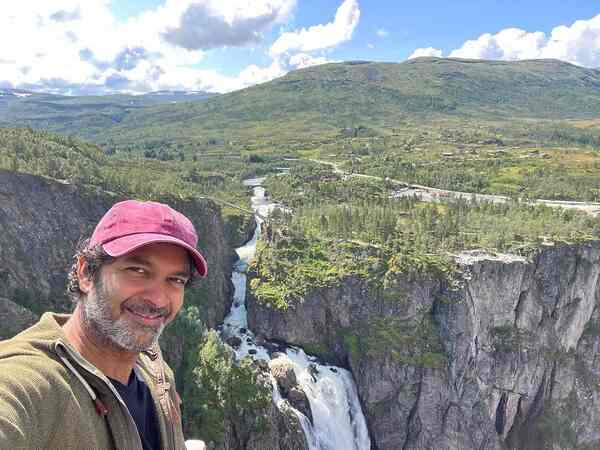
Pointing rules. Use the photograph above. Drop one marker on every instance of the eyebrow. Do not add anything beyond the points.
(144, 262)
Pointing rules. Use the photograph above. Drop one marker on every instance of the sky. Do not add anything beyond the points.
(79, 47)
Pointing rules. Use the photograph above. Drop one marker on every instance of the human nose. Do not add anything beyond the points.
(156, 293)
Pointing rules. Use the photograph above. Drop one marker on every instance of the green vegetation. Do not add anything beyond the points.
(223, 392)
(558, 425)
(187, 329)
(530, 159)
(412, 342)
(90, 114)
(509, 338)
(286, 270)
(77, 162)
(28, 299)
(237, 226)
(351, 227)
(319, 101)
(525, 129)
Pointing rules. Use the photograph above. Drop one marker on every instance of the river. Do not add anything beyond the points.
(338, 421)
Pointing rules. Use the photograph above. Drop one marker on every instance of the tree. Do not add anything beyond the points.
(224, 392)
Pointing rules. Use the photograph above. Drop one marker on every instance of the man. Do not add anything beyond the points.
(96, 379)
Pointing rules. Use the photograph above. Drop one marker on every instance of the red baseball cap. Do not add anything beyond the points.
(131, 224)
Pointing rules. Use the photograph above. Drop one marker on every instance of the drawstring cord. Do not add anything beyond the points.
(101, 408)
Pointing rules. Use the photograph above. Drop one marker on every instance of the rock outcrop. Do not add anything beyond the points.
(282, 431)
(505, 357)
(283, 371)
(14, 318)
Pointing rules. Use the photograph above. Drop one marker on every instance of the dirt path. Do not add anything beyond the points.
(430, 194)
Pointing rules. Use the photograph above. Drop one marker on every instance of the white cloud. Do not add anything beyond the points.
(210, 80)
(78, 46)
(382, 32)
(320, 37)
(206, 24)
(429, 51)
(509, 44)
(371, 46)
(303, 60)
(578, 44)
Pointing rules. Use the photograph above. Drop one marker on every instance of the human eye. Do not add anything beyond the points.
(136, 270)
(179, 281)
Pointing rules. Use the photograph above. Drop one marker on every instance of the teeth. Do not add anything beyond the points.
(154, 316)
(146, 316)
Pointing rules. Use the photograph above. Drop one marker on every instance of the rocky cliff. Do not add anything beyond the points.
(504, 356)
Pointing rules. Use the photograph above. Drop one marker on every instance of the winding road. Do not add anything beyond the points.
(431, 194)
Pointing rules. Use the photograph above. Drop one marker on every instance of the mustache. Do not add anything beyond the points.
(144, 307)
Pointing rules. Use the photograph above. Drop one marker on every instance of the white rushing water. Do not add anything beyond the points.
(338, 421)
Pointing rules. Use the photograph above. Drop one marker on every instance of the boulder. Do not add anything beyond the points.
(234, 342)
(283, 371)
(298, 399)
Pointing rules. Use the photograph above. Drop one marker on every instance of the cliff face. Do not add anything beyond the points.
(14, 318)
(505, 358)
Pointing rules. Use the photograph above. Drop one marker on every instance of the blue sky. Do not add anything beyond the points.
(98, 46)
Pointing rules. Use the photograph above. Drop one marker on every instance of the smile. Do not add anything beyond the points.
(146, 318)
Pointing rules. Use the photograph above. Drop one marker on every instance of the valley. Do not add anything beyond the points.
(436, 234)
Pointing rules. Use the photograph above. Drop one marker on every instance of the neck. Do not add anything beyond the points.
(112, 362)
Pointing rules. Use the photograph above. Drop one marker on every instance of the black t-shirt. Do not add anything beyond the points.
(138, 399)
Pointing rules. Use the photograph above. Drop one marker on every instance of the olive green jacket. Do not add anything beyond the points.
(51, 398)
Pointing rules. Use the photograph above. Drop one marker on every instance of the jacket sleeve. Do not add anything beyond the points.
(27, 404)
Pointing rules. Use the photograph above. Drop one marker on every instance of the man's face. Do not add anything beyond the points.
(136, 296)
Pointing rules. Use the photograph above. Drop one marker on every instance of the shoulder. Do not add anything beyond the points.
(33, 390)
(36, 376)
(30, 369)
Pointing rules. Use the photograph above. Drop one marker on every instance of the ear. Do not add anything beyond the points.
(85, 283)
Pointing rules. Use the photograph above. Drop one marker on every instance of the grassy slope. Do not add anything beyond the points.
(82, 115)
(318, 101)
(321, 100)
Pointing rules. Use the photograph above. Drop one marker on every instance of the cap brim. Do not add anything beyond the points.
(126, 244)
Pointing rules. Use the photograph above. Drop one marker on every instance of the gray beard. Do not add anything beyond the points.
(119, 334)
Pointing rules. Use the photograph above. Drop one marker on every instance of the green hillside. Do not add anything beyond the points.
(81, 115)
(322, 100)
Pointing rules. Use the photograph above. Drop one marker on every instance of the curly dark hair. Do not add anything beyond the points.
(96, 258)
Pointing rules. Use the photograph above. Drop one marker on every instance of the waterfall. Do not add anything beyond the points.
(338, 421)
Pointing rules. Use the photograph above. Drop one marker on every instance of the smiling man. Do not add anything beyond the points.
(96, 379)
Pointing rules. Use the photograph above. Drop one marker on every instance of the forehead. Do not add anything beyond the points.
(159, 255)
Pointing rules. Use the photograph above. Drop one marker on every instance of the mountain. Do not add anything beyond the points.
(323, 99)
(78, 114)
(159, 97)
